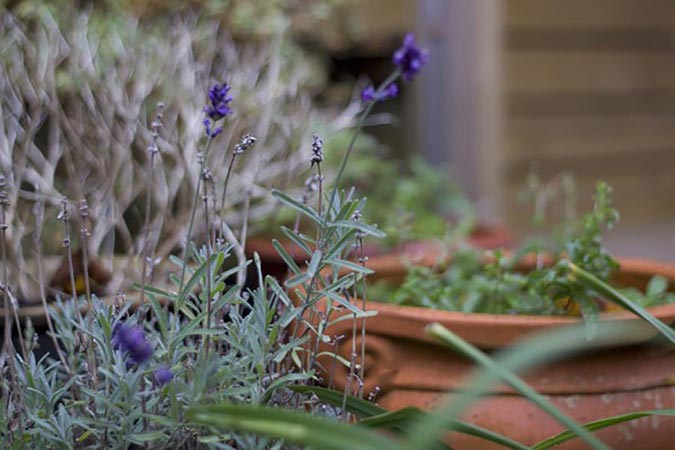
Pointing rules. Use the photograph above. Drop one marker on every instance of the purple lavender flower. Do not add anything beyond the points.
(391, 91)
(219, 98)
(368, 94)
(218, 108)
(163, 375)
(131, 340)
(211, 132)
(410, 58)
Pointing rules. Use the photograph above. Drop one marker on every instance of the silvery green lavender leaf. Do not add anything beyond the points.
(305, 210)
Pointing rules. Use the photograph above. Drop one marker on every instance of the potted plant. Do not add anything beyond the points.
(495, 301)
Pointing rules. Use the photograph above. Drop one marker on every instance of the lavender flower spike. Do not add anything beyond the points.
(218, 108)
(410, 58)
(317, 149)
(244, 144)
(163, 375)
(131, 340)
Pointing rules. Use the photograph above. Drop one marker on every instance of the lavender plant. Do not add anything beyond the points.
(127, 372)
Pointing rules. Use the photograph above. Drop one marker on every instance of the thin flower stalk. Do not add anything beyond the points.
(13, 306)
(311, 186)
(89, 343)
(246, 142)
(336, 343)
(64, 216)
(355, 135)
(206, 179)
(216, 110)
(153, 150)
(8, 347)
(221, 214)
(241, 274)
(362, 259)
(84, 233)
(348, 387)
(38, 212)
(188, 237)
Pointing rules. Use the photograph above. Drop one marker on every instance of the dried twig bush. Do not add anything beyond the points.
(76, 105)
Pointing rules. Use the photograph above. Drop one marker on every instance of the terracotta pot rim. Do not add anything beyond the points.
(486, 235)
(498, 330)
(660, 310)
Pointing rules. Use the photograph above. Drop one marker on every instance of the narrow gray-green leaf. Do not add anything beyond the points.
(290, 262)
(298, 206)
(296, 279)
(350, 265)
(296, 239)
(368, 229)
(314, 263)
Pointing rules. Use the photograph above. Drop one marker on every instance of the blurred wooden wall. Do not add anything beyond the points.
(590, 88)
(583, 86)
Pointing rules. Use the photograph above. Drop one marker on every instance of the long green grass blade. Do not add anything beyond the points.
(290, 426)
(617, 297)
(398, 421)
(600, 424)
(539, 349)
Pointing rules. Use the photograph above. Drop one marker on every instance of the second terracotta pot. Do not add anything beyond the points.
(485, 236)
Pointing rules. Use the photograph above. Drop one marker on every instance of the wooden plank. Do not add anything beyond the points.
(644, 163)
(614, 39)
(591, 103)
(540, 71)
(637, 13)
(637, 197)
(590, 137)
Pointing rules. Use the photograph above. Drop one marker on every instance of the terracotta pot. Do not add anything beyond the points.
(410, 369)
(486, 236)
(490, 236)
